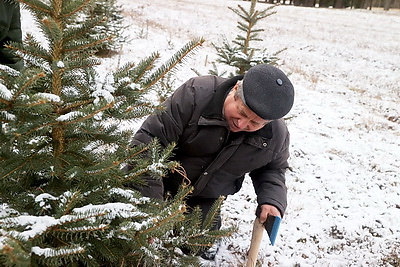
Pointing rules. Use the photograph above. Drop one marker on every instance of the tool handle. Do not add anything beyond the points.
(256, 237)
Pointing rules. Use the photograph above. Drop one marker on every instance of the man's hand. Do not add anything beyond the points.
(268, 210)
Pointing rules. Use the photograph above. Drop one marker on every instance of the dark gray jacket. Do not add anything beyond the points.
(216, 160)
(10, 30)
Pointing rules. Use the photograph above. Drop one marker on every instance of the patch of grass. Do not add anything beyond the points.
(392, 259)
(357, 90)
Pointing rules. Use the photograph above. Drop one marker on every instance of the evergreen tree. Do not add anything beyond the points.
(65, 199)
(112, 25)
(239, 53)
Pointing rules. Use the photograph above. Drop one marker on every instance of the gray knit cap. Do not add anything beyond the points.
(267, 91)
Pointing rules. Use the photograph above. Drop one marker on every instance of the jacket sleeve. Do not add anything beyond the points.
(167, 126)
(269, 180)
(10, 31)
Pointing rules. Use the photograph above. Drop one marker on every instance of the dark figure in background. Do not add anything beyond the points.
(10, 31)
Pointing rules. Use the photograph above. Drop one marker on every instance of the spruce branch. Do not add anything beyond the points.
(20, 166)
(28, 84)
(84, 46)
(37, 6)
(118, 163)
(69, 203)
(210, 219)
(176, 60)
(14, 252)
(52, 256)
(59, 125)
(77, 33)
(91, 115)
(74, 7)
(72, 106)
(63, 148)
(29, 51)
(171, 218)
(144, 66)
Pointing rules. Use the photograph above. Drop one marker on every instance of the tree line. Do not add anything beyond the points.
(364, 4)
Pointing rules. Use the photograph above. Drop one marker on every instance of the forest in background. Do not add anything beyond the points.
(365, 4)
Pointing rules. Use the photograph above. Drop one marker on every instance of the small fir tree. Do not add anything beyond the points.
(65, 199)
(112, 26)
(239, 53)
(165, 87)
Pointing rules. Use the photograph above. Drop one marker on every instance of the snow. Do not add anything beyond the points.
(343, 187)
(156, 167)
(50, 97)
(104, 94)
(105, 91)
(70, 116)
(128, 194)
(42, 198)
(8, 116)
(48, 252)
(34, 225)
(111, 210)
(5, 93)
(60, 64)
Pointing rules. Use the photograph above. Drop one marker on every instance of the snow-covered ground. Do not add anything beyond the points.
(344, 185)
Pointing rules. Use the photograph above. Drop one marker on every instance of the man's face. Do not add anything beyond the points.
(239, 117)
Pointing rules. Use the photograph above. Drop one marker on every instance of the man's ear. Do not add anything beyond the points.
(234, 91)
(234, 88)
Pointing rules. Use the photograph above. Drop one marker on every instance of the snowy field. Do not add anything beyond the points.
(344, 185)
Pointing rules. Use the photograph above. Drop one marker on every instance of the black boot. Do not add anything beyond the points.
(211, 252)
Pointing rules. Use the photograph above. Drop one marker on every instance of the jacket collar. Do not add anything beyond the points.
(213, 111)
(214, 108)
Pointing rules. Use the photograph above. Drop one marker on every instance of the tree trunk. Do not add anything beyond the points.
(297, 2)
(339, 4)
(386, 6)
(309, 3)
(368, 4)
(358, 3)
(324, 3)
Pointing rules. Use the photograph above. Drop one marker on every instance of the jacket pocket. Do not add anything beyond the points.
(221, 183)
